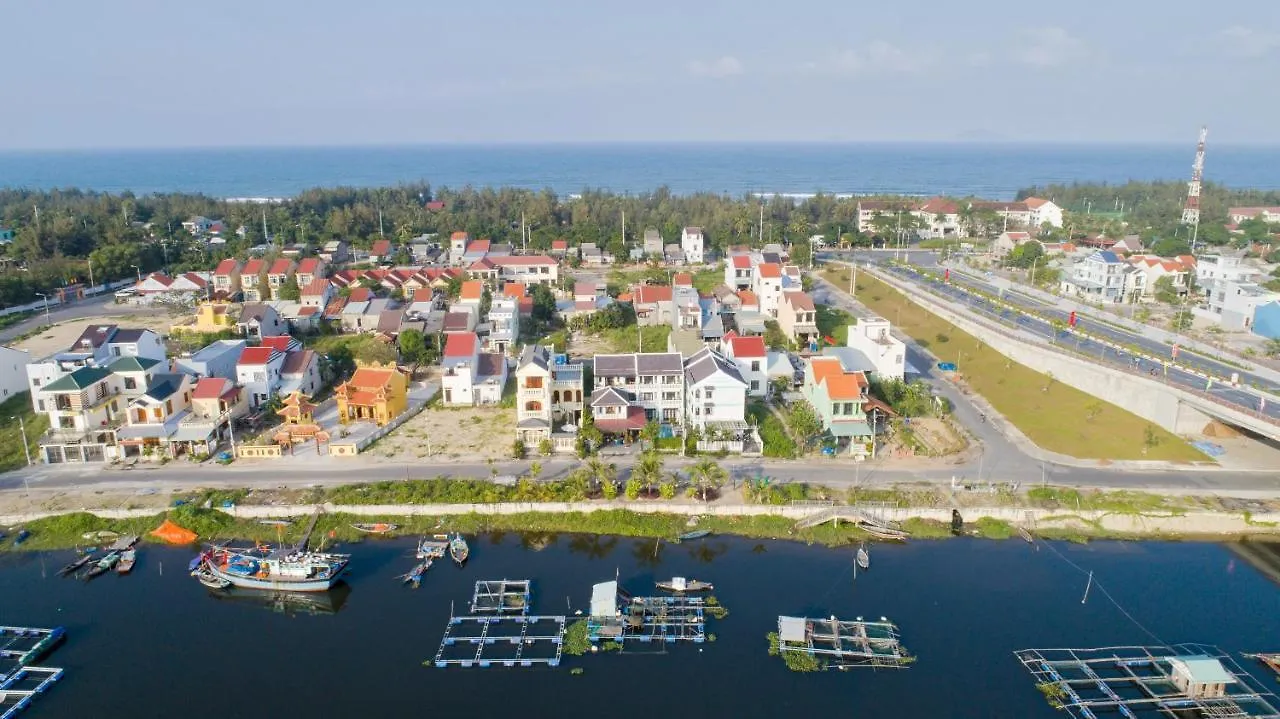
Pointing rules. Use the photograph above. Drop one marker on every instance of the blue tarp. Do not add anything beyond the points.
(1266, 320)
(947, 366)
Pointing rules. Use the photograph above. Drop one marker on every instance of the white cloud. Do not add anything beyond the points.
(1049, 47)
(877, 57)
(726, 66)
(1240, 41)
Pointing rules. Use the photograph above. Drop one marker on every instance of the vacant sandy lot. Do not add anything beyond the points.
(60, 336)
(464, 434)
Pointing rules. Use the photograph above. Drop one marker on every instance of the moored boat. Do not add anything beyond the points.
(103, 565)
(283, 569)
(78, 563)
(414, 577)
(458, 549)
(864, 559)
(276, 522)
(432, 547)
(20, 537)
(102, 535)
(376, 528)
(127, 559)
(695, 534)
(207, 578)
(681, 584)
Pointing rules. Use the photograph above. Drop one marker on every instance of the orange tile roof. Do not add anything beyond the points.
(741, 262)
(799, 300)
(841, 385)
(769, 270)
(744, 347)
(370, 378)
(472, 290)
(682, 278)
(461, 344)
(747, 297)
(513, 289)
(647, 294)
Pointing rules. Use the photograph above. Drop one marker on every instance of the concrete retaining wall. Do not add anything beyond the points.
(1190, 523)
(1151, 400)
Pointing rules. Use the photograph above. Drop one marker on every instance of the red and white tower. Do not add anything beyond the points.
(1191, 212)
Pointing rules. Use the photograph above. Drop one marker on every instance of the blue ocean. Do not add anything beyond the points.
(989, 170)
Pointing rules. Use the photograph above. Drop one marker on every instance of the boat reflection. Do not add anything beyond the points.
(288, 603)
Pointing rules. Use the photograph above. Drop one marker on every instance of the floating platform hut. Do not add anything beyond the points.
(616, 616)
(501, 596)
(21, 683)
(843, 643)
(1187, 680)
(499, 632)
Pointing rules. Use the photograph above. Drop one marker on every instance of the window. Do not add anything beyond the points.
(709, 391)
(533, 406)
(848, 408)
(130, 383)
(36, 381)
(673, 396)
(40, 404)
(259, 377)
(533, 383)
(755, 385)
(67, 422)
(755, 366)
(62, 401)
(647, 397)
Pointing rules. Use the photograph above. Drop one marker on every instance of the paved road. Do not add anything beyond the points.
(1240, 398)
(92, 307)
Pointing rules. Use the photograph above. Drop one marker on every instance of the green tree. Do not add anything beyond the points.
(1272, 348)
(648, 470)
(649, 434)
(1166, 292)
(1171, 247)
(774, 337)
(518, 450)
(600, 473)
(804, 424)
(264, 288)
(544, 303)
(1025, 255)
(486, 301)
(1181, 320)
(415, 351)
(341, 362)
(588, 433)
(545, 448)
(707, 475)
(290, 290)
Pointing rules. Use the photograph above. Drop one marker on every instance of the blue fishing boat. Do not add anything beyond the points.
(282, 569)
(696, 534)
(21, 537)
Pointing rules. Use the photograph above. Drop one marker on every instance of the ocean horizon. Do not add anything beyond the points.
(990, 169)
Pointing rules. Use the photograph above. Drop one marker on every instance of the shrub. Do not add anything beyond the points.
(633, 488)
(545, 448)
(518, 450)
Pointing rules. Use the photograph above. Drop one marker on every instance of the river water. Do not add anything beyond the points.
(157, 644)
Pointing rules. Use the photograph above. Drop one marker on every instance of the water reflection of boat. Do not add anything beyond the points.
(289, 603)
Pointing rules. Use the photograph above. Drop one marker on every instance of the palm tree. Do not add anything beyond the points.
(707, 475)
(648, 471)
(600, 472)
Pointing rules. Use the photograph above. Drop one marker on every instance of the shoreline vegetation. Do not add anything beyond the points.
(475, 506)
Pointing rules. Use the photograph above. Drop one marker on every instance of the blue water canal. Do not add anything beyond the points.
(157, 644)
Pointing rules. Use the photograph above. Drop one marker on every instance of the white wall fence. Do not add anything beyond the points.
(39, 305)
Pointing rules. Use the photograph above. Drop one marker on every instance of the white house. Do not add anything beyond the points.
(258, 371)
(13, 373)
(715, 393)
(1008, 241)
(217, 359)
(940, 217)
(752, 358)
(767, 285)
(1234, 303)
(300, 372)
(471, 377)
(693, 242)
(737, 272)
(1155, 268)
(885, 353)
(1100, 277)
(1043, 212)
(1266, 214)
(97, 346)
(198, 225)
(654, 381)
(504, 324)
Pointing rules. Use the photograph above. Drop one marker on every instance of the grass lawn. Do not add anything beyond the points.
(1055, 416)
(625, 339)
(364, 347)
(833, 322)
(19, 405)
(703, 280)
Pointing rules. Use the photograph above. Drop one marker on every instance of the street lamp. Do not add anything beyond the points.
(26, 449)
(46, 305)
(139, 271)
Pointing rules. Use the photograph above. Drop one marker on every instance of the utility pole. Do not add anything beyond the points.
(380, 223)
(760, 227)
(91, 285)
(265, 236)
(26, 449)
(624, 228)
(524, 234)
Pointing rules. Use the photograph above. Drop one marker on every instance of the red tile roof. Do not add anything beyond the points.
(635, 419)
(940, 206)
(650, 294)
(381, 248)
(211, 387)
(472, 290)
(682, 279)
(459, 235)
(769, 270)
(741, 262)
(461, 344)
(519, 260)
(253, 267)
(316, 287)
(484, 263)
(309, 265)
(282, 266)
(559, 244)
(744, 347)
(435, 205)
(258, 355)
(582, 289)
(360, 294)
(513, 289)
(799, 300)
(226, 267)
(478, 246)
(747, 297)
(308, 311)
(279, 343)
(526, 305)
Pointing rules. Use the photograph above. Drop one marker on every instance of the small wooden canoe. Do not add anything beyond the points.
(695, 534)
(864, 559)
(128, 558)
(376, 528)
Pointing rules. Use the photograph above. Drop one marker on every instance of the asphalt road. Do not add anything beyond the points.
(1015, 318)
(91, 307)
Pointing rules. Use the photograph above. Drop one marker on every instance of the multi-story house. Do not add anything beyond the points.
(216, 359)
(693, 242)
(334, 252)
(458, 247)
(838, 397)
(654, 379)
(652, 243)
(715, 395)
(885, 354)
(154, 416)
(767, 285)
(798, 317)
(1016, 214)
(472, 292)
(258, 371)
(380, 252)
(1100, 277)
(1269, 215)
(84, 408)
(1234, 304)
(529, 269)
(258, 320)
(869, 210)
(653, 304)
(216, 402)
(1006, 242)
(309, 269)
(504, 324)
(939, 217)
(318, 292)
(226, 279)
(1154, 269)
(471, 377)
(300, 372)
(548, 394)
(279, 274)
(1212, 269)
(13, 381)
(737, 272)
(251, 280)
(97, 346)
(686, 308)
(752, 358)
(1044, 212)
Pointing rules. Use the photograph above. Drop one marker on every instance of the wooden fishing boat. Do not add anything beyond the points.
(1026, 535)
(283, 570)
(210, 580)
(864, 559)
(695, 534)
(414, 577)
(103, 566)
(128, 558)
(72, 567)
(20, 537)
(681, 585)
(102, 535)
(459, 550)
(378, 528)
(1271, 660)
(276, 522)
(432, 547)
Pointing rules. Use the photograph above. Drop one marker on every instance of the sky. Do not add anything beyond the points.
(159, 73)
